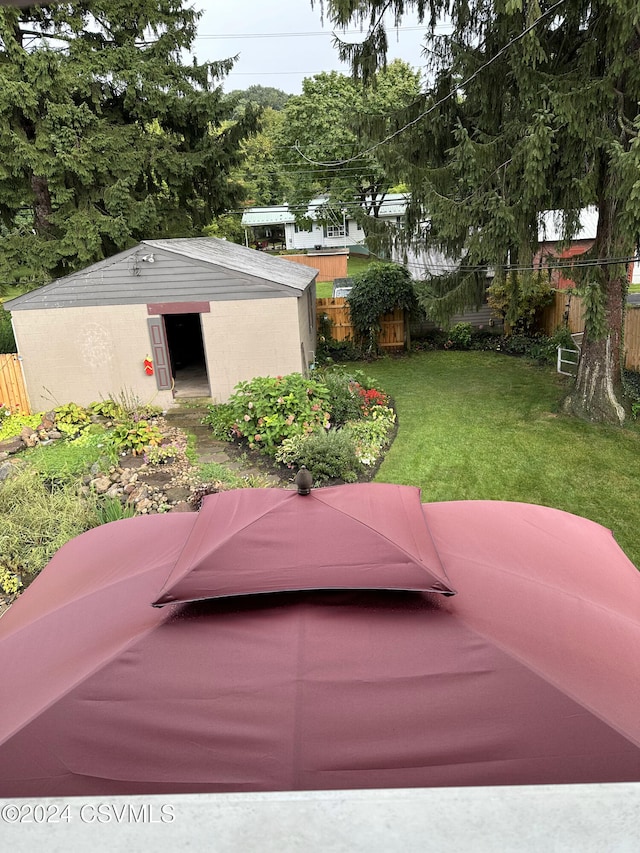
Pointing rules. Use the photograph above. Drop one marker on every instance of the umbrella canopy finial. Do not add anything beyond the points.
(304, 481)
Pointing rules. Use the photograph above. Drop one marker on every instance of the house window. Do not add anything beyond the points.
(335, 231)
(299, 229)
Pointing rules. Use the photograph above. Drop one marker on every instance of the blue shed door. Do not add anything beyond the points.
(160, 351)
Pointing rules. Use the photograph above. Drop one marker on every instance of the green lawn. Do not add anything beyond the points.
(485, 426)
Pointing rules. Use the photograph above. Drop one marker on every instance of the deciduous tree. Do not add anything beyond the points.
(329, 122)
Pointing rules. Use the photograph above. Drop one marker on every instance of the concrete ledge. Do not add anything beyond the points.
(554, 818)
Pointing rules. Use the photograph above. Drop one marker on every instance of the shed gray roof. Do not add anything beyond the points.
(181, 270)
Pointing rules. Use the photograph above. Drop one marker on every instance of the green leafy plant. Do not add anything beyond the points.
(221, 418)
(13, 424)
(518, 299)
(108, 409)
(327, 455)
(381, 288)
(269, 409)
(134, 437)
(68, 460)
(71, 419)
(371, 434)
(345, 401)
(7, 340)
(160, 455)
(111, 509)
(10, 583)
(459, 336)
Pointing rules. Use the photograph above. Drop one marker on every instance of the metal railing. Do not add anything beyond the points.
(569, 357)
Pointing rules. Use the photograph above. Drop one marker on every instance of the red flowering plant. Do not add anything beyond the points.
(370, 397)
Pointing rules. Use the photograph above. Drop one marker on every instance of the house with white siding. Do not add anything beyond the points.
(276, 227)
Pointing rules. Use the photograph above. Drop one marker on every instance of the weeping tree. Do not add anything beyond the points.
(106, 137)
(532, 106)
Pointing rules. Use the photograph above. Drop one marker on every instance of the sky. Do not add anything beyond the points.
(281, 42)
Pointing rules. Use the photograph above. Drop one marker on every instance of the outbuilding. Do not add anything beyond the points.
(164, 319)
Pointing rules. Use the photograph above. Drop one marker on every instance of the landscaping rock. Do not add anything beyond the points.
(138, 494)
(6, 470)
(177, 494)
(12, 445)
(101, 485)
(29, 437)
(183, 506)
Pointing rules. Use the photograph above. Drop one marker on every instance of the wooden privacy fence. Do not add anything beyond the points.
(393, 334)
(569, 306)
(329, 267)
(13, 394)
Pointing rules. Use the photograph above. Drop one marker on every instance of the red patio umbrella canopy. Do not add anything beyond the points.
(314, 643)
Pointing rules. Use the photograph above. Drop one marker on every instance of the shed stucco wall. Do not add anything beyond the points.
(84, 354)
(244, 339)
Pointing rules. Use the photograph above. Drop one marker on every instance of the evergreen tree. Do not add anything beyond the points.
(533, 106)
(106, 137)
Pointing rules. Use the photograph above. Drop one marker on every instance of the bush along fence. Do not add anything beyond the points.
(567, 310)
(393, 337)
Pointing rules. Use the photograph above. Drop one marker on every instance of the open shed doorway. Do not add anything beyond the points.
(186, 351)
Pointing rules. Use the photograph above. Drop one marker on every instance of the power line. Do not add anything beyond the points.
(442, 100)
(221, 37)
(427, 266)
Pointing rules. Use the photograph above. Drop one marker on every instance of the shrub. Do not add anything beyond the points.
(7, 340)
(519, 299)
(344, 400)
(269, 409)
(328, 350)
(327, 454)
(459, 336)
(221, 418)
(381, 288)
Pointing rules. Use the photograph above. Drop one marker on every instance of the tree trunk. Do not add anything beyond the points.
(42, 209)
(598, 393)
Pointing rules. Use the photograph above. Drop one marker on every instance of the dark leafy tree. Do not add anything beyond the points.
(330, 121)
(381, 288)
(264, 180)
(533, 106)
(267, 97)
(106, 137)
